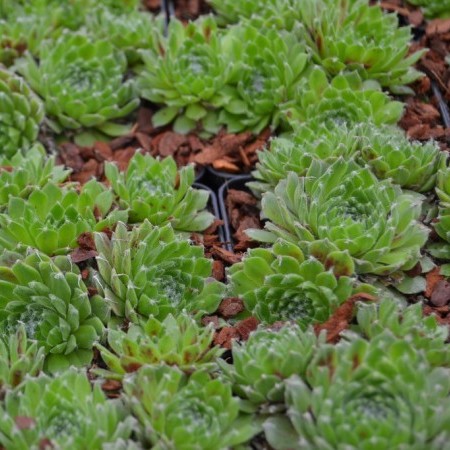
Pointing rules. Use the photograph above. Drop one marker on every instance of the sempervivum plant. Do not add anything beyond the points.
(21, 175)
(442, 225)
(128, 32)
(271, 64)
(156, 190)
(385, 149)
(353, 35)
(19, 358)
(280, 284)
(433, 8)
(344, 207)
(81, 83)
(62, 412)
(177, 412)
(51, 300)
(263, 363)
(346, 98)
(370, 395)
(150, 271)
(177, 341)
(408, 324)
(21, 113)
(52, 218)
(186, 73)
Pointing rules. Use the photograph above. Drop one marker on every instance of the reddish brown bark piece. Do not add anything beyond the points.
(24, 422)
(218, 270)
(170, 142)
(225, 337)
(432, 277)
(230, 307)
(45, 444)
(211, 319)
(111, 385)
(247, 326)
(79, 255)
(341, 318)
(441, 293)
(226, 255)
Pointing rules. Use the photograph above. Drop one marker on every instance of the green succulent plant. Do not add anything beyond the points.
(343, 207)
(279, 283)
(353, 35)
(130, 32)
(156, 190)
(81, 83)
(19, 358)
(186, 73)
(365, 395)
(177, 412)
(50, 299)
(263, 363)
(51, 218)
(21, 175)
(433, 8)
(409, 324)
(62, 412)
(344, 99)
(21, 113)
(152, 272)
(384, 149)
(176, 341)
(271, 64)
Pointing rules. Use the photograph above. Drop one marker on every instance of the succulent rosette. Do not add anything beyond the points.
(150, 271)
(82, 84)
(62, 412)
(370, 395)
(20, 358)
(354, 35)
(405, 323)
(176, 341)
(343, 207)
(384, 149)
(156, 190)
(433, 8)
(21, 113)
(177, 412)
(129, 32)
(263, 363)
(52, 218)
(21, 175)
(186, 73)
(50, 299)
(344, 99)
(271, 64)
(280, 284)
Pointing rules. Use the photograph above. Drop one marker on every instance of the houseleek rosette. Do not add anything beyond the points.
(368, 395)
(51, 219)
(433, 8)
(20, 358)
(21, 175)
(344, 99)
(81, 83)
(62, 412)
(263, 363)
(177, 412)
(156, 190)
(271, 63)
(186, 74)
(150, 271)
(50, 299)
(353, 35)
(21, 113)
(409, 324)
(279, 283)
(343, 207)
(130, 32)
(176, 341)
(384, 149)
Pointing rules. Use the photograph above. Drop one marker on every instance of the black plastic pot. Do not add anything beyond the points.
(216, 178)
(200, 172)
(443, 107)
(237, 182)
(213, 207)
